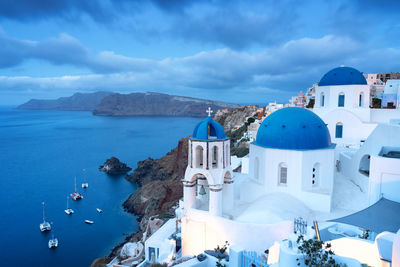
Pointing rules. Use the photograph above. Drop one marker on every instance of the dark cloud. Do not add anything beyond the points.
(293, 66)
(234, 28)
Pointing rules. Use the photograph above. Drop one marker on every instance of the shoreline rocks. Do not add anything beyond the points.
(114, 167)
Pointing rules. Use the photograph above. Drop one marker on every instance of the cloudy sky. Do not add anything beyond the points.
(237, 51)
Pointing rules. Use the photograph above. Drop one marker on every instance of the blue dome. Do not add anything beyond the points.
(208, 129)
(293, 128)
(342, 76)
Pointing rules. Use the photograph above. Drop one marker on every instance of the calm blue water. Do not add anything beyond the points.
(42, 151)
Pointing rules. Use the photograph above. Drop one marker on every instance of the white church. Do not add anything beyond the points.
(329, 165)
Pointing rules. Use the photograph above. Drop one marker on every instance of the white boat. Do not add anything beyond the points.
(76, 195)
(53, 242)
(85, 184)
(89, 222)
(99, 210)
(68, 210)
(44, 226)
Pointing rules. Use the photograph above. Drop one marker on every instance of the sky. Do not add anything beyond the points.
(230, 50)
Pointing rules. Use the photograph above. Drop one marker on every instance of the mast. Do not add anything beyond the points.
(67, 202)
(75, 183)
(84, 175)
(43, 212)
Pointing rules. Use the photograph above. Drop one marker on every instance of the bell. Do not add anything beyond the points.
(202, 191)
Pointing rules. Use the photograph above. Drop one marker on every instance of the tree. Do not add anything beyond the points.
(311, 103)
(376, 102)
(316, 253)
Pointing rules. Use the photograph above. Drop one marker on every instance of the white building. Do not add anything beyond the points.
(293, 154)
(342, 101)
(294, 170)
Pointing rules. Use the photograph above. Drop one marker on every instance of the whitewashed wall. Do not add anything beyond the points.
(201, 231)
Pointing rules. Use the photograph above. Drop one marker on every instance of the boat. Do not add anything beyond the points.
(99, 210)
(44, 226)
(76, 195)
(53, 242)
(85, 184)
(68, 210)
(89, 222)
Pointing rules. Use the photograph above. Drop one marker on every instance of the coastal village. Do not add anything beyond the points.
(321, 172)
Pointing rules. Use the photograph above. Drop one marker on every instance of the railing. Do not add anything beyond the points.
(252, 259)
(300, 226)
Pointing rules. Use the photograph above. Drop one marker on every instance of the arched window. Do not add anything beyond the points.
(341, 100)
(322, 99)
(214, 156)
(282, 176)
(315, 175)
(256, 169)
(361, 99)
(339, 130)
(199, 157)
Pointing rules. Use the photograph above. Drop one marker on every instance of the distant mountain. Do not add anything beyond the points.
(78, 101)
(156, 104)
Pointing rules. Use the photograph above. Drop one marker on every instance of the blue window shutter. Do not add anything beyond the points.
(341, 101)
(339, 131)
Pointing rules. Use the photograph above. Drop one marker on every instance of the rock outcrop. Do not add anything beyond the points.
(156, 104)
(113, 166)
(78, 101)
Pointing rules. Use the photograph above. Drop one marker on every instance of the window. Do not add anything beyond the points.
(214, 156)
(360, 100)
(339, 130)
(282, 174)
(341, 100)
(256, 168)
(199, 157)
(322, 99)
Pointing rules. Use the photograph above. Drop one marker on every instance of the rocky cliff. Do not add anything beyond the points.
(232, 119)
(159, 182)
(156, 104)
(78, 101)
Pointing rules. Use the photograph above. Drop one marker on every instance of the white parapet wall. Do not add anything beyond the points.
(201, 231)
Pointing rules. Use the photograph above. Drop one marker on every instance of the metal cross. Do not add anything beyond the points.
(209, 111)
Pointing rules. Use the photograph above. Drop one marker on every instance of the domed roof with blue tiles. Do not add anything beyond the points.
(293, 129)
(209, 129)
(342, 76)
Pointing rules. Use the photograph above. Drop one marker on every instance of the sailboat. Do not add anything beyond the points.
(68, 210)
(85, 184)
(44, 226)
(53, 242)
(76, 195)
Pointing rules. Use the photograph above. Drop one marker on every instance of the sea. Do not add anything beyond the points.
(40, 154)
